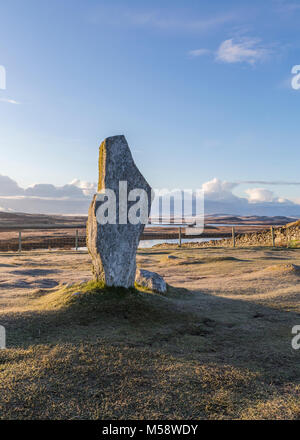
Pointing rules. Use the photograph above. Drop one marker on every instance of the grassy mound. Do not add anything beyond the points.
(95, 299)
(69, 313)
(282, 269)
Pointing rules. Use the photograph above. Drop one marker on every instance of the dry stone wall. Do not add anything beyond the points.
(284, 236)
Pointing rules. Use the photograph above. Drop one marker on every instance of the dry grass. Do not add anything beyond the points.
(217, 346)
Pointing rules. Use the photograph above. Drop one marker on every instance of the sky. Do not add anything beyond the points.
(201, 90)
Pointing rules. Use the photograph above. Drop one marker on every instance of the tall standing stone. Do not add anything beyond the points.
(113, 246)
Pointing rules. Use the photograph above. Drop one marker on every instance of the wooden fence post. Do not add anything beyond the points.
(76, 240)
(233, 237)
(179, 236)
(273, 236)
(20, 241)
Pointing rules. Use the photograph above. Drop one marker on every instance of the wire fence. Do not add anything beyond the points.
(52, 242)
(16, 238)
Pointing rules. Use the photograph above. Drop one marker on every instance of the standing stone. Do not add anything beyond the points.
(113, 246)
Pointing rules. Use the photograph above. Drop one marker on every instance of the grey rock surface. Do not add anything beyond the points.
(151, 280)
(113, 246)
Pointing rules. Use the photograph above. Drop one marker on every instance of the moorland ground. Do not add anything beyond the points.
(35, 238)
(216, 346)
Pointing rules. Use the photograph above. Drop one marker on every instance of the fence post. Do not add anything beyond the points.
(179, 236)
(76, 240)
(273, 236)
(233, 237)
(20, 241)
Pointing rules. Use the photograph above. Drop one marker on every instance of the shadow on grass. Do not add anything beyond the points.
(88, 351)
(70, 314)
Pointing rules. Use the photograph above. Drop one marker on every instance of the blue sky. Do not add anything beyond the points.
(201, 90)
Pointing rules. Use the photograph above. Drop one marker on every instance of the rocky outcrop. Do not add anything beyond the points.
(113, 245)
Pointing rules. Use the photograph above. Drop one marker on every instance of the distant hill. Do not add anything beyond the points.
(248, 220)
(23, 219)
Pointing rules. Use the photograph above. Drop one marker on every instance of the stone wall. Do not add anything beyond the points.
(284, 236)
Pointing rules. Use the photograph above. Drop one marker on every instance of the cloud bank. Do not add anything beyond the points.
(75, 198)
(72, 198)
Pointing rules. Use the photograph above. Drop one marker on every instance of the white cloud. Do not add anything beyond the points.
(48, 190)
(8, 187)
(9, 101)
(217, 189)
(43, 198)
(198, 52)
(257, 195)
(283, 200)
(244, 50)
(88, 188)
(220, 199)
(77, 189)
